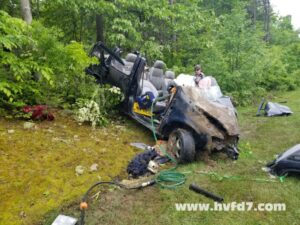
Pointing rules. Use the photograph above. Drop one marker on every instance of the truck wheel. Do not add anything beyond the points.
(182, 144)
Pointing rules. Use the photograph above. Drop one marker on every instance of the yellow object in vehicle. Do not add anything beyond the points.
(137, 110)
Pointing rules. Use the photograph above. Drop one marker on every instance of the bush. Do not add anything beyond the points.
(97, 109)
(36, 68)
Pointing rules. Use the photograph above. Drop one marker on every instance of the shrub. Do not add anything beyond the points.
(36, 68)
(97, 109)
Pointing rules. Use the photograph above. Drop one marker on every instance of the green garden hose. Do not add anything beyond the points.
(167, 178)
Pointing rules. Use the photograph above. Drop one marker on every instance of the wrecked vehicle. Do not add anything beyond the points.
(287, 162)
(192, 123)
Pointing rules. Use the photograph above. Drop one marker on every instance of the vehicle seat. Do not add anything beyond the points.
(129, 61)
(147, 86)
(157, 75)
(169, 76)
(131, 57)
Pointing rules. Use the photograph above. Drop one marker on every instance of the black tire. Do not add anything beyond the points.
(182, 144)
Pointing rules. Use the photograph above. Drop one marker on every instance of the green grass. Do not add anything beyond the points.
(37, 169)
(37, 173)
(261, 139)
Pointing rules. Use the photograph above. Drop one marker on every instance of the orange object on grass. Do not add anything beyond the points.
(83, 205)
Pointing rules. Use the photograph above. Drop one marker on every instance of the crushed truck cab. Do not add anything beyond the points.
(192, 119)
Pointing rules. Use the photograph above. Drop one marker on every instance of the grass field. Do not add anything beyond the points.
(38, 181)
(37, 169)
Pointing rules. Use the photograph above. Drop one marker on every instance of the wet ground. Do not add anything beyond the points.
(37, 170)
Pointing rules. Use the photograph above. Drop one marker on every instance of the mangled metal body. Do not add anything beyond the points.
(214, 124)
(188, 119)
(287, 162)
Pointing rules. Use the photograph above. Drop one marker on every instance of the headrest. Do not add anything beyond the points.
(157, 73)
(170, 74)
(131, 57)
(159, 64)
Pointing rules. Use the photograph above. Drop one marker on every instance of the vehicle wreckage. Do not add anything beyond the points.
(191, 120)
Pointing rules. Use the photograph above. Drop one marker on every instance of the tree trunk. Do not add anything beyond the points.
(38, 8)
(100, 27)
(267, 19)
(174, 36)
(254, 12)
(171, 2)
(26, 11)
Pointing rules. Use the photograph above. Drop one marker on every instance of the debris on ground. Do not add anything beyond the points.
(287, 162)
(79, 170)
(135, 183)
(94, 167)
(273, 109)
(199, 190)
(10, 131)
(139, 145)
(28, 125)
(64, 220)
(147, 161)
(139, 164)
(153, 166)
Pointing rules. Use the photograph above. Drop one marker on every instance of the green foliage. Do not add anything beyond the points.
(226, 37)
(17, 64)
(75, 18)
(89, 111)
(36, 67)
(97, 109)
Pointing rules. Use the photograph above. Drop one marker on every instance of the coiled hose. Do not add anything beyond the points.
(166, 179)
(169, 178)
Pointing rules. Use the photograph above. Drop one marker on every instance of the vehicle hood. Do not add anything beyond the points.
(216, 112)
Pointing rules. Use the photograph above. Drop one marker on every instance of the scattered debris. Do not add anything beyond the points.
(289, 161)
(153, 166)
(28, 125)
(208, 194)
(139, 145)
(79, 170)
(64, 220)
(94, 167)
(139, 165)
(11, 131)
(136, 183)
(273, 109)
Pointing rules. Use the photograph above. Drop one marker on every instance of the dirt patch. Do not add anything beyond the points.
(120, 206)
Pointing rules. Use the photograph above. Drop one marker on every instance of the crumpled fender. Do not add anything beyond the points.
(215, 111)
